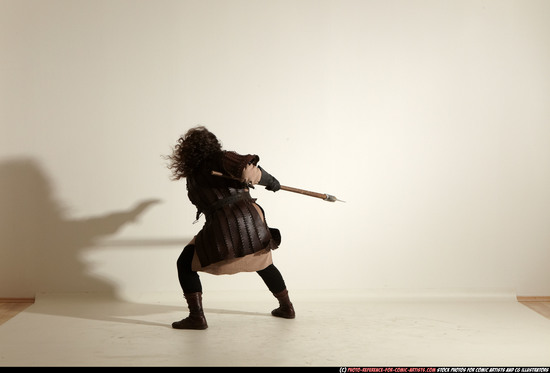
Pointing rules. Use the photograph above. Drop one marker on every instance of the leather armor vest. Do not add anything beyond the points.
(233, 227)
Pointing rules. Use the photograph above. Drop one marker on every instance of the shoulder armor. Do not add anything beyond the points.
(234, 163)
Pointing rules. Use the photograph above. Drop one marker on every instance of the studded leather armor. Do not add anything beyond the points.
(234, 227)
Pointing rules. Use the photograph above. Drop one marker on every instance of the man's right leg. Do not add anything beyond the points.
(276, 284)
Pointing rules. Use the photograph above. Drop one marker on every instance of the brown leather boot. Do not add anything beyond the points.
(196, 319)
(285, 310)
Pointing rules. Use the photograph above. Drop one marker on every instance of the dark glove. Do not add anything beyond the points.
(269, 181)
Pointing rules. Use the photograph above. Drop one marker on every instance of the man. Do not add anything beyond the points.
(235, 237)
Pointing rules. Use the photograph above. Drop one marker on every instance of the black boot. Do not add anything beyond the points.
(285, 310)
(196, 319)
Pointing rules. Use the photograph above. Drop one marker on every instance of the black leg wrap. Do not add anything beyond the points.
(189, 279)
(272, 278)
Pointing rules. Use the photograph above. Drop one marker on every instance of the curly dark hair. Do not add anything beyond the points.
(196, 146)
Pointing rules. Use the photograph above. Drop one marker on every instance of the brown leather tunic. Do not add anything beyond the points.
(234, 228)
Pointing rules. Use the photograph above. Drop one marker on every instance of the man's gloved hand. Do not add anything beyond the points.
(269, 181)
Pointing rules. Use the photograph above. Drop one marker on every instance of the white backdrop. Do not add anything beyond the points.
(429, 118)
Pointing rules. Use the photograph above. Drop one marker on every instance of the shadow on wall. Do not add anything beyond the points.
(40, 249)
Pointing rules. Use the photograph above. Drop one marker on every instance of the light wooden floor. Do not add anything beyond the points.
(11, 307)
(538, 304)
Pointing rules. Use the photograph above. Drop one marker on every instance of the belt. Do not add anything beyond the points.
(226, 201)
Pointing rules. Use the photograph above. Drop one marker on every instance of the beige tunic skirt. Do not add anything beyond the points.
(249, 263)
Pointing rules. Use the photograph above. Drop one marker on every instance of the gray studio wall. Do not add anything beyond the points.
(429, 118)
